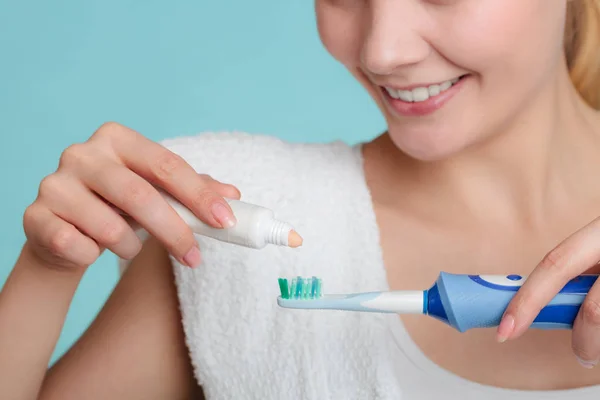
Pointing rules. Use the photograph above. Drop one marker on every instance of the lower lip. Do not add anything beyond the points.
(422, 108)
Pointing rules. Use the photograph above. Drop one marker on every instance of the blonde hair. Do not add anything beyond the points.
(582, 46)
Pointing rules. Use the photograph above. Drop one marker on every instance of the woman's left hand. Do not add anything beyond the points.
(572, 257)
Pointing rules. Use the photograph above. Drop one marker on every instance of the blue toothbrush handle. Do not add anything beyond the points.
(479, 301)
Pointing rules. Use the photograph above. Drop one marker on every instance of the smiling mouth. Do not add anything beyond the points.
(423, 93)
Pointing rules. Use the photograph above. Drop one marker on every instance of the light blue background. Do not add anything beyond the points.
(164, 68)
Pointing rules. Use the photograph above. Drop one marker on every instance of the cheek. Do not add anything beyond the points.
(340, 32)
(508, 36)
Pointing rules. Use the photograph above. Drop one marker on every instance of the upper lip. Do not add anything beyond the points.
(413, 86)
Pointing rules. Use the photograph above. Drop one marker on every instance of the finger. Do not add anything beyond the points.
(140, 200)
(571, 257)
(224, 189)
(586, 329)
(69, 199)
(61, 244)
(172, 173)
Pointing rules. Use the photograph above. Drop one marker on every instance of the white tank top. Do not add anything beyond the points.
(243, 346)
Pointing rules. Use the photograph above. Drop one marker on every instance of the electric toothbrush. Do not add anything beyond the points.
(462, 301)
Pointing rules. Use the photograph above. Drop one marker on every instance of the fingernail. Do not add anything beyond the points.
(507, 325)
(587, 364)
(223, 215)
(192, 257)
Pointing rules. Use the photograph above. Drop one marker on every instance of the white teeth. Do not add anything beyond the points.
(445, 86)
(405, 95)
(392, 92)
(421, 93)
(434, 90)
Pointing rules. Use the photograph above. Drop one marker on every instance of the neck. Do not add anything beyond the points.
(537, 164)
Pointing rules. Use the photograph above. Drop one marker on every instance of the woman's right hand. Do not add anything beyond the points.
(73, 219)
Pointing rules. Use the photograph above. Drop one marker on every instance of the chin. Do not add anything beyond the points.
(429, 145)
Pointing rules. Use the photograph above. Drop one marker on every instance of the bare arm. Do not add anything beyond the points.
(33, 306)
(135, 348)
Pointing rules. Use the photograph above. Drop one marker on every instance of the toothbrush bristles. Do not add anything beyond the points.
(300, 288)
(283, 287)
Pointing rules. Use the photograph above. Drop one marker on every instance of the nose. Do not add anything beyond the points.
(394, 37)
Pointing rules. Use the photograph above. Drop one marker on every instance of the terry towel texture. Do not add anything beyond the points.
(242, 345)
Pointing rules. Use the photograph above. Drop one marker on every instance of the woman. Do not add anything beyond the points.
(488, 164)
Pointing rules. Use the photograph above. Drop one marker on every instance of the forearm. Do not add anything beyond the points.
(33, 306)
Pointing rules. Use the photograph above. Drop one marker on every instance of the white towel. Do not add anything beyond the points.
(242, 345)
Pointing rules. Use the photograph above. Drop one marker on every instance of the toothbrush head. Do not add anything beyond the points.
(301, 288)
(307, 294)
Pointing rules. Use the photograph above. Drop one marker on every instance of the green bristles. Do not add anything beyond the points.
(283, 287)
(300, 288)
